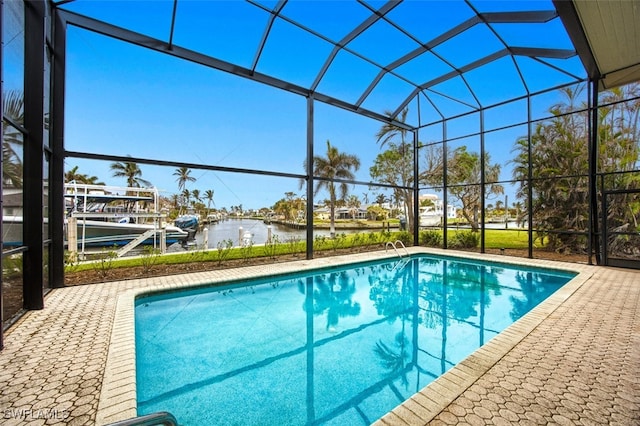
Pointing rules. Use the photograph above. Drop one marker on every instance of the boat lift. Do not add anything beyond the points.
(83, 194)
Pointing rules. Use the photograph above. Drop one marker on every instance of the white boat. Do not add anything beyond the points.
(213, 218)
(430, 218)
(187, 221)
(113, 216)
(108, 234)
(434, 214)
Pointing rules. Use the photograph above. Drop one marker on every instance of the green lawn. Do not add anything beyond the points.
(497, 238)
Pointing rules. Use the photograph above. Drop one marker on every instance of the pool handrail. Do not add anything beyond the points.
(163, 418)
(394, 245)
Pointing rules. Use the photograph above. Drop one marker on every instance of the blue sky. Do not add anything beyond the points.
(125, 100)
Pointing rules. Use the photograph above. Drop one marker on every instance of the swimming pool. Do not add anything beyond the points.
(335, 346)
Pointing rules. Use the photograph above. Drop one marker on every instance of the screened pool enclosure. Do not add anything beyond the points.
(515, 124)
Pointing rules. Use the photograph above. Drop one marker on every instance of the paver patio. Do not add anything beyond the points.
(575, 359)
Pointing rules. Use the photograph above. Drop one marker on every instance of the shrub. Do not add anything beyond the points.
(430, 238)
(373, 237)
(246, 251)
(224, 248)
(337, 241)
(405, 237)
(319, 242)
(12, 267)
(271, 248)
(103, 263)
(464, 239)
(294, 244)
(71, 261)
(150, 256)
(357, 239)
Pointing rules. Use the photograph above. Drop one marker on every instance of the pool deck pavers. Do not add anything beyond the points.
(573, 360)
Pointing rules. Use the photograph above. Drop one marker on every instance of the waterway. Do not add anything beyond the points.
(234, 229)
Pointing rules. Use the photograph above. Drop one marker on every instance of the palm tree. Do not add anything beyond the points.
(387, 135)
(390, 131)
(184, 176)
(175, 201)
(336, 165)
(13, 109)
(73, 175)
(130, 171)
(353, 202)
(196, 196)
(208, 195)
(186, 197)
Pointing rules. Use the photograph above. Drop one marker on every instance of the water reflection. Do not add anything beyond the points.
(332, 294)
(394, 358)
(355, 342)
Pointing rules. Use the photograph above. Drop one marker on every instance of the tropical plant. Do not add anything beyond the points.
(430, 238)
(223, 250)
(390, 131)
(335, 165)
(464, 171)
(186, 197)
(196, 196)
(150, 256)
(463, 174)
(295, 245)
(381, 199)
(183, 176)
(290, 206)
(406, 237)
(12, 140)
(246, 250)
(208, 195)
(131, 172)
(175, 201)
(559, 162)
(463, 239)
(353, 203)
(103, 264)
(72, 175)
(270, 248)
(395, 166)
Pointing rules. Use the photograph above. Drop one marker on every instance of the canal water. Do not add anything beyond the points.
(230, 229)
(233, 229)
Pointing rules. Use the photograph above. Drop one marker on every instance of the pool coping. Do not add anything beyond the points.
(118, 394)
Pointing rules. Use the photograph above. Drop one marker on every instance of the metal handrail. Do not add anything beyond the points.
(394, 246)
(401, 245)
(163, 418)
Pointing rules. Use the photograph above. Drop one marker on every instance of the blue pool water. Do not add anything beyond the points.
(340, 346)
